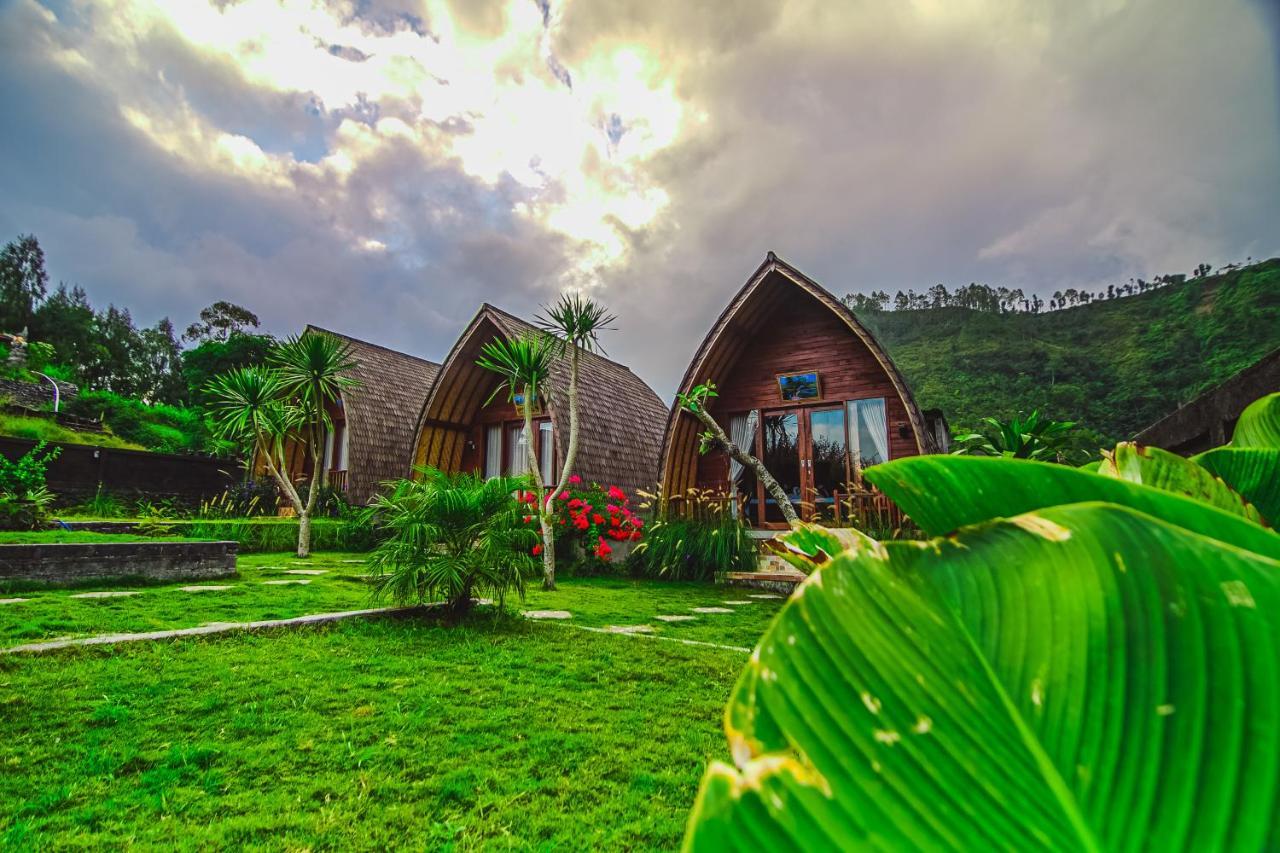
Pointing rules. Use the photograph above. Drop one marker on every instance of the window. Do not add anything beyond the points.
(516, 455)
(546, 452)
(504, 449)
(493, 450)
(868, 432)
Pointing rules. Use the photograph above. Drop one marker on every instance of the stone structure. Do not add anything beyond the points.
(74, 563)
(35, 395)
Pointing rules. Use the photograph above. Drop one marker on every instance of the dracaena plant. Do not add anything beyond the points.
(1080, 660)
(1032, 437)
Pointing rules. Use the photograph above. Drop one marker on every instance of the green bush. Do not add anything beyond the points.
(46, 429)
(260, 536)
(694, 549)
(24, 496)
(162, 428)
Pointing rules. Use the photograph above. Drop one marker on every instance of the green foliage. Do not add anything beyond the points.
(1050, 673)
(103, 504)
(449, 537)
(159, 427)
(313, 371)
(1034, 437)
(1259, 424)
(202, 363)
(22, 282)
(522, 363)
(24, 496)
(1114, 367)
(276, 535)
(46, 429)
(577, 321)
(695, 549)
(587, 518)
(221, 321)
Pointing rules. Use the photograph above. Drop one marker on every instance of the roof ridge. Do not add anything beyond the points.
(494, 308)
(314, 327)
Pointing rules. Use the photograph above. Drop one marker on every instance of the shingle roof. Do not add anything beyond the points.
(381, 410)
(620, 433)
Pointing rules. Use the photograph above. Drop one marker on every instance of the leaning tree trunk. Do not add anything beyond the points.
(762, 473)
(277, 472)
(571, 453)
(315, 450)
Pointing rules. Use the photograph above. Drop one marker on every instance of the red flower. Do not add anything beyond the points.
(575, 503)
(528, 518)
(597, 518)
(617, 494)
(537, 549)
(581, 522)
(614, 522)
(563, 496)
(575, 480)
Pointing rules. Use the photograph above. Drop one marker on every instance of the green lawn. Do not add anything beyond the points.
(502, 732)
(60, 536)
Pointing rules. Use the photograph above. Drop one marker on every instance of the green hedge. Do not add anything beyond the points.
(270, 535)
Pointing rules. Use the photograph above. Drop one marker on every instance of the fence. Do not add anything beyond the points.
(81, 470)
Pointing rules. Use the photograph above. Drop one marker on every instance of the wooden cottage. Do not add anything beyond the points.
(804, 387)
(621, 417)
(372, 435)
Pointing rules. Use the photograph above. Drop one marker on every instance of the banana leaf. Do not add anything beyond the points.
(1252, 471)
(942, 493)
(1259, 424)
(1170, 472)
(1083, 677)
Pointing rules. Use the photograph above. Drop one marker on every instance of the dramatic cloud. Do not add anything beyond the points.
(382, 167)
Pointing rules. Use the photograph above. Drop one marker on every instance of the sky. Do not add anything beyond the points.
(381, 167)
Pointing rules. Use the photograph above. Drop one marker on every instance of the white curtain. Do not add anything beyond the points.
(546, 460)
(871, 428)
(493, 451)
(742, 431)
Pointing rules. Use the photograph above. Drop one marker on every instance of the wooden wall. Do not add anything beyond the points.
(802, 336)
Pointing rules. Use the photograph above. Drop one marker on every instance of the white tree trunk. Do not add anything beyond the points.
(743, 457)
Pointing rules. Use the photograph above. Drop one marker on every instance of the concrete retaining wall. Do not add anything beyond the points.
(74, 563)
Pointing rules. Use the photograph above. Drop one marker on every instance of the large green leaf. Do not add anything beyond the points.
(942, 493)
(1259, 424)
(1082, 677)
(1252, 471)
(1170, 472)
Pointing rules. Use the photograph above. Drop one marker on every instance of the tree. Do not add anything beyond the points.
(205, 361)
(22, 282)
(220, 321)
(450, 536)
(158, 368)
(313, 372)
(523, 365)
(574, 324)
(66, 320)
(115, 349)
(695, 403)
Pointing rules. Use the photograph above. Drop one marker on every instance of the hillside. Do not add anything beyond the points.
(1115, 366)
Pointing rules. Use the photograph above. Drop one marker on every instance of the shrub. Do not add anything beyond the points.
(38, 428)
(162, 428)
(695, 549)
(587, 519)
(24, 495)
(450, 536)
(261, 536)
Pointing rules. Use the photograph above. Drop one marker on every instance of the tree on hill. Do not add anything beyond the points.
(22, 282)
(220, 321)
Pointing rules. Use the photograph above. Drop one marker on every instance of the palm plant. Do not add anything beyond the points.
(312, 370)
(1034, 437)
(574, 324)
(449, 537)
(523, 365)
(247, 405)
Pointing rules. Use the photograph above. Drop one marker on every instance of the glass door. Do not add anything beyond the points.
(780, 448)
(827, 463)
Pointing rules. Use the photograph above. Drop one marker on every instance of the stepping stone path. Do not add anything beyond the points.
(629, 629)
(547, 614)
(735, 603)
(209, 588)
(352, 561)
(114, 594)
(306, 571)
(765, 595)
(713, 610)
(283, 583)
(675, 618)
(11, 600)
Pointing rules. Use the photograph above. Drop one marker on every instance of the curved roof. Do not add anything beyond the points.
(620, 434)
(746, 315)
(379, 411)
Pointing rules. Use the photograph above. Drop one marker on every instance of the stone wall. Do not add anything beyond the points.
(74, 563)
(35, 395)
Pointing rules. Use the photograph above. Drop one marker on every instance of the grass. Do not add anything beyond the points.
(58, 537)
(501, 732)
(594, 602)
(46, 429)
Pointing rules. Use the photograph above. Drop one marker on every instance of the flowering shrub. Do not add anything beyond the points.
(593, 516)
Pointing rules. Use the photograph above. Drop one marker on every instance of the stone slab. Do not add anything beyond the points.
(738, 602)
(306, 571)
(675, 618)
(118, 593)
(204, 588)
(547, 614)
(286, 583)
(713, 610)
(766, 595)
(628, 629)
(12, 600)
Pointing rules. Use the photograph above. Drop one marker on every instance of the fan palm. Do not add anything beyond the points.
(523, 365)
(449, 537)
(312, 370)
(248, 406)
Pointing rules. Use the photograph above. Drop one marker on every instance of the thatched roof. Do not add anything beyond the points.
(380, 413)
(771, 286)
(621, 428)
